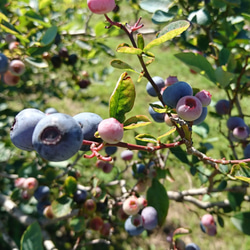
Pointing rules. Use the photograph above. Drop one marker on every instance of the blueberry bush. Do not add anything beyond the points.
(62, 177)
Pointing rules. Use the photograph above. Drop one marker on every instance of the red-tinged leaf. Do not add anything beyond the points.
(157, 197)
(122, 98)
(136, 122)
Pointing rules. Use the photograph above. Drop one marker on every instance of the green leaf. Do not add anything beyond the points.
(70, 185)
(123, 97)
(201, 17)
(202, 130)
(223, 77)
(77, 224)
(125, 48)
(32, 238)
(61, 206)
(8, 27)
(49, 36)
(158, 108)
(152, 6)
(83, 45)
(223, 169)
(168, 32)
(241, 171)
(136, 122)
(180, 232)
(242, 222)
(171, 131)
(36, 51)
(118, 64)
(235, 199)
(162, 17)
(140, 41)
(157, 197)
(33, 16)
(180, 154)
(198, 63)
(146, 138)
(36, 62)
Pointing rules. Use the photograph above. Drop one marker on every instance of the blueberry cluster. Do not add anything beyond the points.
(141, 216)
(55, 136)
(178, 96)
(11, 70)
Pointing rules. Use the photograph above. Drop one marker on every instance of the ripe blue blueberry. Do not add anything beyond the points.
(222, 107)
(110, 150)
(57, 137)
(173, 93)
(49, 111)
(3, 63)
(247, 151)
(150, 217)
(80, 196)
(41, 205)
(89, 124)
(192, 246)
(132, 229)
(160, 83)
(42, 193)
(157, 117)
(23, 126)
(202, 117)
(235, 121)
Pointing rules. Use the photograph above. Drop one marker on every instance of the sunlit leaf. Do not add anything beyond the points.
(122, 98)
(171, 131)
(70, 185)
(152, 6)
(198, 63)
(140, 41)
(32, 238)
(33, 16)
(168, 32)
(118, 64)
(162, 17)
(242, 222)
(61, 206)
(36, 62)
(136, 122)
(127, 49)
(146, 138)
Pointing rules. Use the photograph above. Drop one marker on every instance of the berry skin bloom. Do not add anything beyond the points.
(101, 6)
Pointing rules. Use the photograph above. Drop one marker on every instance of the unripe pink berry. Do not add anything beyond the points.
(142, 202)
(17, 67)
(19, 182)
(241, 132)
(168, 120)
(131, 206)
(10, 79)
(171, 80)
(30, 184)
(110, 130)
(127, 155)
(205, 97)
(207, 220)
(101, 6)
(189, 108)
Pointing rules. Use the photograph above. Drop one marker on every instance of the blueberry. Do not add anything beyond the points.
(111, 150)
(235, 121)
(57, 137)
(222, 107)
(72, 59)
(42, 193)
(23, 126)
(80, 196)
(158, 117)
(173, 93)
(192, 246)
(160, 83)
(49, 111)
(247, 151)
(131, 229)
(150, 217)
(139, 168)
(202, 117)
(3, 63)
(89, 123)
(41, 205)
(56, 61)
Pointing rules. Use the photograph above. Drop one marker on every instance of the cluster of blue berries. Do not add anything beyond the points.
(55, 136)
(178, 96)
